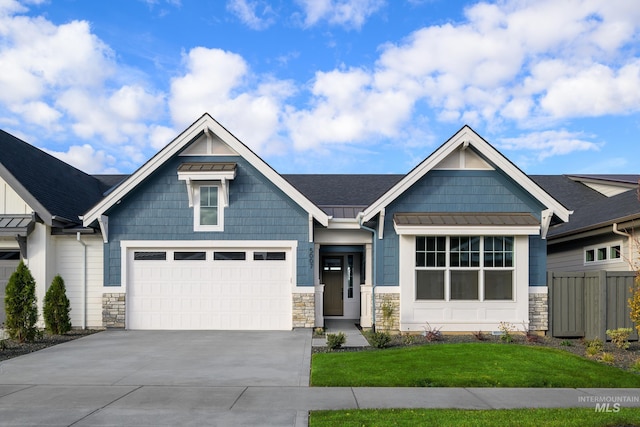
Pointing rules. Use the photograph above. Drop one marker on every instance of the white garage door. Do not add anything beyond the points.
(232, 289)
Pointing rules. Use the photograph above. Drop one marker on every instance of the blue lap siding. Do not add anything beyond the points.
(459, 191)
(158, 209)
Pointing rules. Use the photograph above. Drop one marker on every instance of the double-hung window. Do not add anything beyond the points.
(464, 268)
(207, 212)
(208, 192)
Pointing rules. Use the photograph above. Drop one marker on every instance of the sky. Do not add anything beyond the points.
(326, 86)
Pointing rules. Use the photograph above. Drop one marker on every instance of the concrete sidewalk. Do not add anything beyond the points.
(91, 405)
(348, 327)
(220, 378)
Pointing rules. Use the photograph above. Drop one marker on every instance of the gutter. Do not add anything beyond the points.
(84, 280)
(373, 268)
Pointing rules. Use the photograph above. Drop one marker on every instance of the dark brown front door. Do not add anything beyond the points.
(333, 279)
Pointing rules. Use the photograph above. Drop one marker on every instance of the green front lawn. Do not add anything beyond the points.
(465, 365)
(578, 417)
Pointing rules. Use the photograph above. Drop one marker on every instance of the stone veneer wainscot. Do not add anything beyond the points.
(113, 310)
(304, 310)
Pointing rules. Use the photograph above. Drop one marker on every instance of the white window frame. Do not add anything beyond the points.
(196, 208)
(607, 247)
(447, 269)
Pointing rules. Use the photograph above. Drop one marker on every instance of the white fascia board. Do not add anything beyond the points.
(413, 176)
(343, 224)
(413, 230)
(466, 135)
(174, 147)
(206, 176)
(213, 244)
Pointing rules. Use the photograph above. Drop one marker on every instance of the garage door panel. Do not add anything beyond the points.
(209, 294)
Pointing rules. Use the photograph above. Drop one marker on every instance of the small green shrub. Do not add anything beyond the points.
(56, 308)
(607, 358)
(409, 339)
(593, 347)
(379, 339)
(506, 328)
(566, 343)
(335, 341)
(318, 332)
(20, 305)
(620, 337)
(636, 365)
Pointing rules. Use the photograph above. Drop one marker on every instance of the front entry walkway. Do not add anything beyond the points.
(348, 327)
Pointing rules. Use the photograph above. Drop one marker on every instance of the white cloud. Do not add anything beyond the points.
(257, 15)
(351, 106)
(549, 143)
(219, 83)
(61, 77)
(347, 13)
(529, 63)
(86, 158)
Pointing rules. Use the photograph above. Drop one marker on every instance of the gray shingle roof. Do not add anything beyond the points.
(58, 188)
(591, 208)
(343, 196)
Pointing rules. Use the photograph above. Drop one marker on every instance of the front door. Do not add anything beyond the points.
(333, 279)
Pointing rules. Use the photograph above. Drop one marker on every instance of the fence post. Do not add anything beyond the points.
(601, 306)
(550, 301)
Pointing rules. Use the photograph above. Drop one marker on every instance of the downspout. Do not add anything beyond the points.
(629, 240)
(84, 280)
(373, 269)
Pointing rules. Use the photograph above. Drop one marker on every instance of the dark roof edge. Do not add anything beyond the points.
(25, 195)
(629, 218)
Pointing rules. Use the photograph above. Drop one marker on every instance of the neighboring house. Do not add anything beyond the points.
(602, 233)
(206, 235)
(40, 200)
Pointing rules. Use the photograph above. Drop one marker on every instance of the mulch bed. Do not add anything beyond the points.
(624, 359)
(10, 348)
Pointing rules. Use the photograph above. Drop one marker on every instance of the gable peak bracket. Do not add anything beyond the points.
(103, 221)
(545, 217)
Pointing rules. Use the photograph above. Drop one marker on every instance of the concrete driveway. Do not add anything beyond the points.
(157, 378)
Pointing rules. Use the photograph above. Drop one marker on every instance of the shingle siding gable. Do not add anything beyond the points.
(456, 191)
(159, 210)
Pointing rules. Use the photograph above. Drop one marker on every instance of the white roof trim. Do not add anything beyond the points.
(174, 147)
(467, 136)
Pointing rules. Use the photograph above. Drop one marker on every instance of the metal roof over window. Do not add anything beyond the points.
(465, 219)
(16, 225)
(207, 167)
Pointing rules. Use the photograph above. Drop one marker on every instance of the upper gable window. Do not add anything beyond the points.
(208, 191)
(207, 213)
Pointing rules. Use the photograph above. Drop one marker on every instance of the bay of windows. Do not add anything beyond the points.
(464, 267)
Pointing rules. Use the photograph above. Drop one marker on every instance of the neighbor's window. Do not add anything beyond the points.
(603, 253)
(464, 268)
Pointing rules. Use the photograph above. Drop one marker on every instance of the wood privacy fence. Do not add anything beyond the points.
(586, 304)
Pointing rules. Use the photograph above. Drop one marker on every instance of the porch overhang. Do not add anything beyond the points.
(16, 225)
(456, 223)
